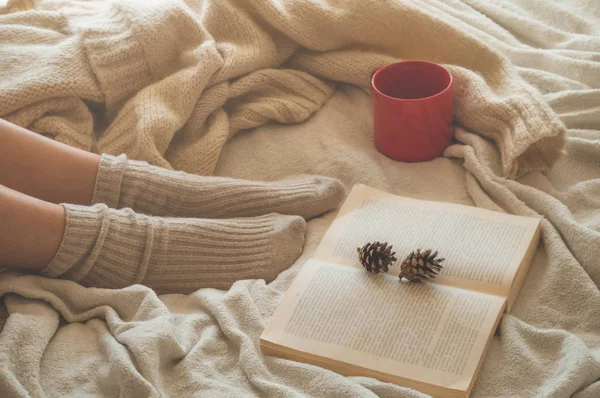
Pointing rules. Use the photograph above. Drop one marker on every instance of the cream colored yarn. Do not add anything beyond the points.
(178, 82)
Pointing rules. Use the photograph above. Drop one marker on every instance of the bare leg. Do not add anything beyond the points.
(57, 173)
(30, 230)
(45, 169)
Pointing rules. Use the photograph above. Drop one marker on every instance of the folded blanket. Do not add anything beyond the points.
(172, 83)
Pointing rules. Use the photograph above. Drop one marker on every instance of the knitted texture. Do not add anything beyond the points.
(161, 192)
(108, 248)
(176, 81)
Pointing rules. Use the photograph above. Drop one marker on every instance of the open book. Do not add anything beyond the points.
(428, 336)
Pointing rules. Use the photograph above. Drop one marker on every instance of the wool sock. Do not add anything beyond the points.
(161, 192)
(109, 248)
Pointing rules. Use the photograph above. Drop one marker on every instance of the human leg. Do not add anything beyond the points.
(57, 173)
(45, 169)
(148, 189)
(30, 230)
(112, 248)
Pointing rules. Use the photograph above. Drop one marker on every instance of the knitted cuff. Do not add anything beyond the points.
(84, 227)
(108, 180)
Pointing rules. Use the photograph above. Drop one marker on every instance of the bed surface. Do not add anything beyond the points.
(60, 339)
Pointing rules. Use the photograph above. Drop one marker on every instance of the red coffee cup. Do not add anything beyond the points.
(412, 110)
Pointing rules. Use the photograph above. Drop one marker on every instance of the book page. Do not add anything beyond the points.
(430, 333)
(482, 249)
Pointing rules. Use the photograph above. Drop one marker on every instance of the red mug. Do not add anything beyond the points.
(412, 110)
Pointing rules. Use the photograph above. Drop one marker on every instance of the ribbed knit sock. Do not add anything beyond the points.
(161, 192)
(109, 248)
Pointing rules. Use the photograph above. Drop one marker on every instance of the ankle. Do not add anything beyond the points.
(109, 178)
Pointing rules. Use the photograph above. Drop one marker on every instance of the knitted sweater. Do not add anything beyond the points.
(170, 81)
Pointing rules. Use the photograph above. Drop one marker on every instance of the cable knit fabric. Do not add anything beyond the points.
(177, 80)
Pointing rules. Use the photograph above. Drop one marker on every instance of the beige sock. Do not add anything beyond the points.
(108, 248)
(160, 192)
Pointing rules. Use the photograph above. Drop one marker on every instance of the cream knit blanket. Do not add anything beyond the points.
(172, 83)
(178, 80)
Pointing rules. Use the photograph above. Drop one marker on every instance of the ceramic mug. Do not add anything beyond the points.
(412, 110)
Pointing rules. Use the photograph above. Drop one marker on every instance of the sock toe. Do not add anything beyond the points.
(325, 194)
(329, 192)
(287, 244)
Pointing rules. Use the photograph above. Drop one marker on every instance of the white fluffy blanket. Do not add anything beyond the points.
(227, 66)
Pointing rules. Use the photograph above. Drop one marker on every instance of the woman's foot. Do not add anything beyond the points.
(108, 248)
(157, 191)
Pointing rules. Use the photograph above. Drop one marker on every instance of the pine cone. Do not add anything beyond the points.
(420, 266)
(376, 257)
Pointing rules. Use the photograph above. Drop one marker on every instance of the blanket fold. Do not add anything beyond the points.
(153, 63)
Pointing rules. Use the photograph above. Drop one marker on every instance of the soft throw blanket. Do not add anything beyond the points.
(178, 81)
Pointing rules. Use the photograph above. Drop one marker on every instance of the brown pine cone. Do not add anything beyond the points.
(376, 257)
(420, 266)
